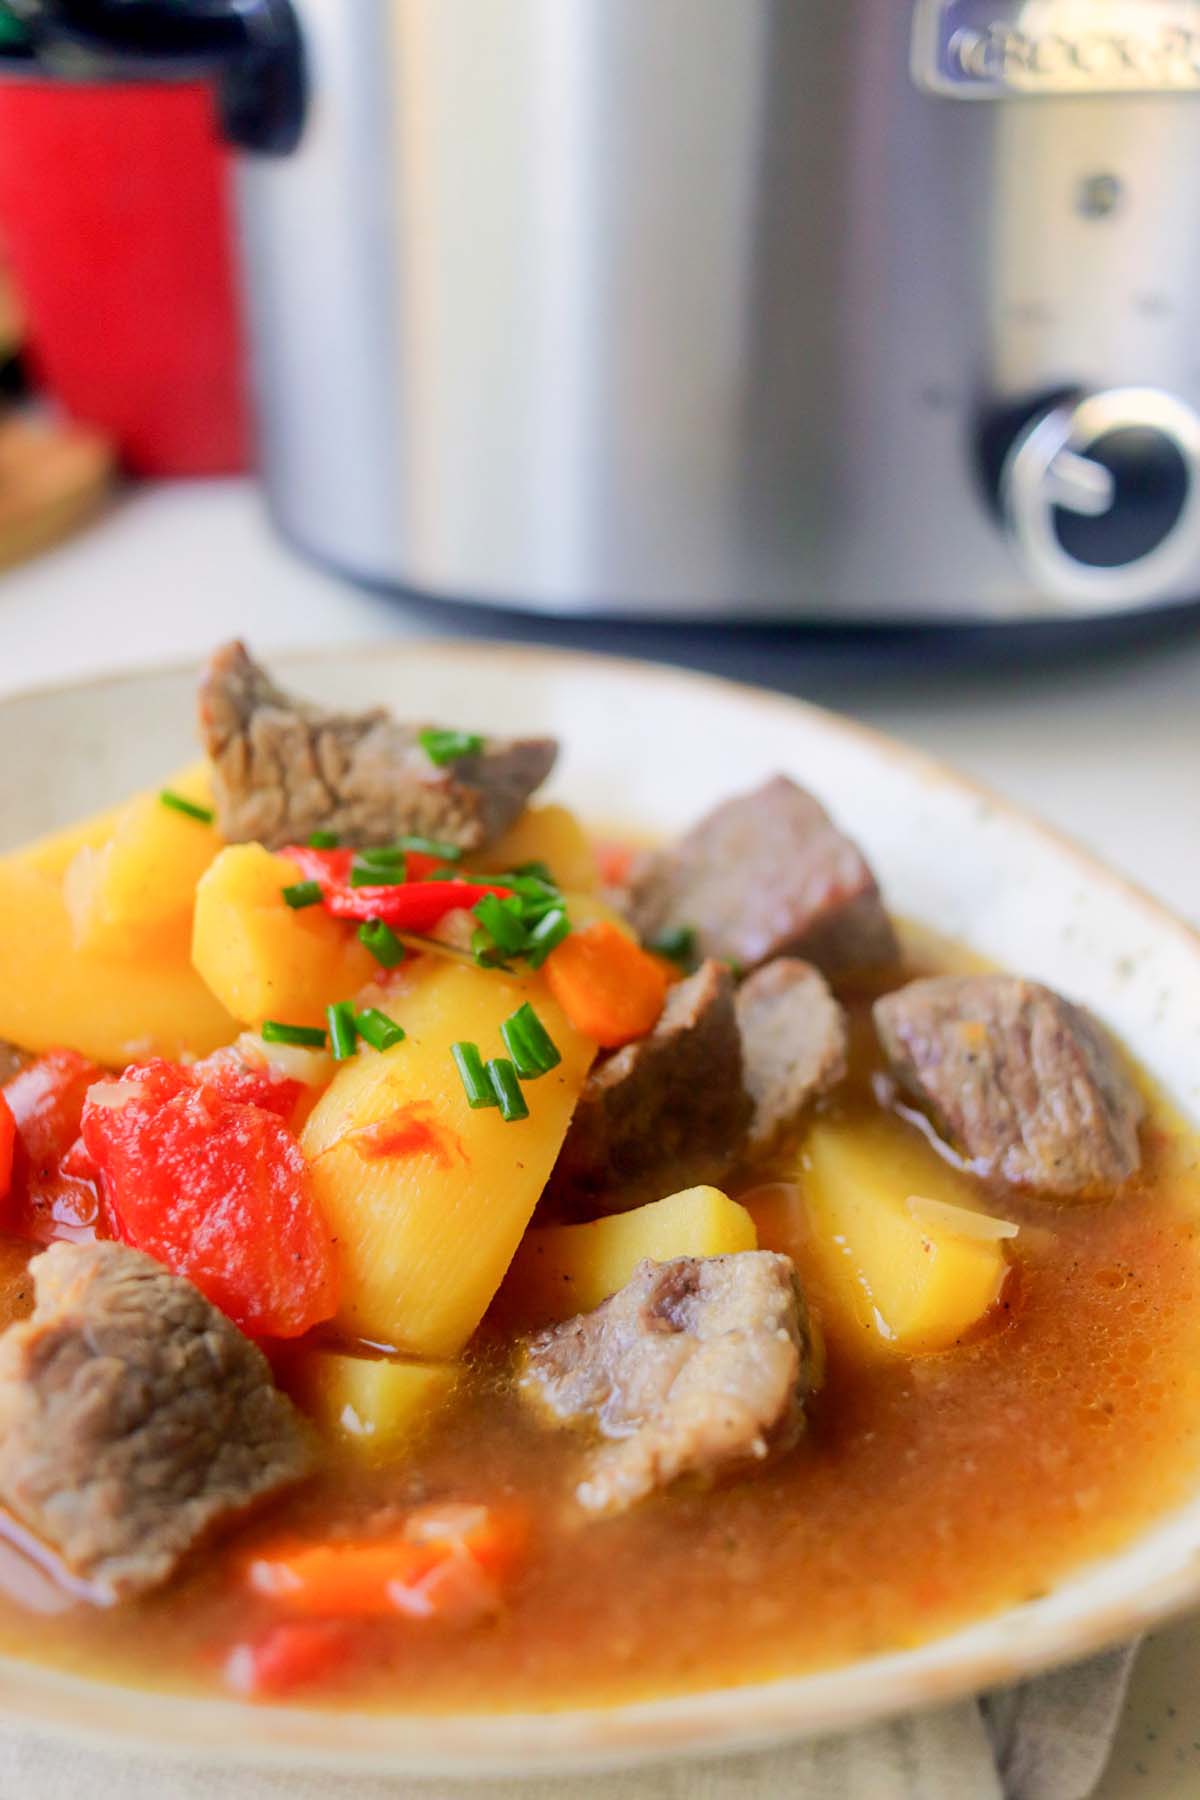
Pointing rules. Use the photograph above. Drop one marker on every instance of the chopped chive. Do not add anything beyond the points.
(538, 871)
(382, 942)
(533, 911)
(548, 932)
(529, 887)
(377, 1029)
(275, 1032)
(442, 747)
(486, 951)
(523, 1059)
(323, 840)
(343, 1035)
(302, 893)
(425, 846)
(535, 895)
(677, 944)
(177, 803)
(391, 856)
(502, 922)
(442, 875)
(536, 1048)
(469, 1064)
(507, 1089)
(363, 874)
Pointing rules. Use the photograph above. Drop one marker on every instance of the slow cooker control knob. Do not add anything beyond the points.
(1101, 496)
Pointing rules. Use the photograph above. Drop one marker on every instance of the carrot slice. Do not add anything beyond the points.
(346, 1580)
(447, 1563)
(611, 990)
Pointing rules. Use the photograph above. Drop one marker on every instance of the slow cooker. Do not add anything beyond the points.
(766, 309)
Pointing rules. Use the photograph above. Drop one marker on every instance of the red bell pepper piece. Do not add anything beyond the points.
(415, 905)
(288, 1656)
(214, 1186)
(330, 867)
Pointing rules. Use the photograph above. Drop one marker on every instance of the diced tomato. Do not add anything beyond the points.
(448, 1563)
(415, 904)
(215, 1188)
(8, 1134)
(227, 1073)
(49, 1194)
(457, 1590)
(288, 1656)
(46, 1100)
(614, 863)
(495, 1537)
(409, 1132)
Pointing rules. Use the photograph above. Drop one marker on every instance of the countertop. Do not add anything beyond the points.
(1099, 732)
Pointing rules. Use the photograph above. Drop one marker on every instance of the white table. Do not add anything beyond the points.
(1104, 742)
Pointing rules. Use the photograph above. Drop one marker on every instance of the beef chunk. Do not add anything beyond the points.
(793, 1043)
(671, 1106)
(693, 1366)
(1024, 1083)
(283, 768)
(134, 1418)
(767, 874)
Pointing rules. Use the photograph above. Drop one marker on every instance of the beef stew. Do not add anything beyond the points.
(661, 1318)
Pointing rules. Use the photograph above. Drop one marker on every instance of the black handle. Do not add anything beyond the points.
(252, 48)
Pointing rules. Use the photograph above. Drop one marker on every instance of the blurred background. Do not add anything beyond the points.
(846, 346)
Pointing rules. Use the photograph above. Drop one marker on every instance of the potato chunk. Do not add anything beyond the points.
(51, 855)
(561, 1270)
(548, 834)
(135, 890)
(372, 1402)
(262, 958)
(428, 1197)
(885, 1277)
(111, 1009)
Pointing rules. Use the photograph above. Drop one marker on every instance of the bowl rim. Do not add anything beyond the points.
(992, 1651)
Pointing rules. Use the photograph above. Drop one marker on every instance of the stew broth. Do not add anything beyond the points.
(925, 1492)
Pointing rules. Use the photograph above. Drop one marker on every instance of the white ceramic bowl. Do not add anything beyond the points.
(653, 748)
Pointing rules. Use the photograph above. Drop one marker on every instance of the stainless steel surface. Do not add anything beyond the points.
(1048, 468)
(686, 308)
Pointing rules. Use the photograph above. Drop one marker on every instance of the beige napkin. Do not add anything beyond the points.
(1045, 1740)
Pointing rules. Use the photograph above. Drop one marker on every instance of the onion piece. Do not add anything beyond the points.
(113, 1094)
(962, 1219)
(294, 1062)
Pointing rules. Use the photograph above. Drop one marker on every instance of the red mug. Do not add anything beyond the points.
(116, 221)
